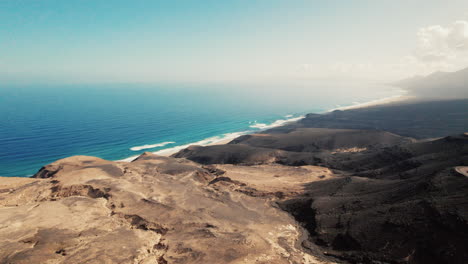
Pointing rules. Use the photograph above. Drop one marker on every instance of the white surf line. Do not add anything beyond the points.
(138, 148)
(217, 140)
(129, 159)
(385, 100)
(277, 123)
(222, 139)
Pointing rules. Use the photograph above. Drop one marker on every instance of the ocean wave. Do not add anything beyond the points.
(277, 123)
(137, 148)
(222, 139)
(216, 140)
(225, 138)
(390, 99)
(129, 159)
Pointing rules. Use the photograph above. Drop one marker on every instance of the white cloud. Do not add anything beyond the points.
(438, 48)
(438, 43)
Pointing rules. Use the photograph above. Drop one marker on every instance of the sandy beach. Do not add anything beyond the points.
(226, 138)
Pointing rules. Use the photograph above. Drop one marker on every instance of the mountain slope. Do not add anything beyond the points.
(152, 210)
(441, 85)
(416, 119)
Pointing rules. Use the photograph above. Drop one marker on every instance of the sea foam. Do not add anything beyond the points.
(216, 140)
(277, 123)
(138, 148)
(225, 138)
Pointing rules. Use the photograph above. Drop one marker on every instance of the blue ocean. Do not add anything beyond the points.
(43, 123)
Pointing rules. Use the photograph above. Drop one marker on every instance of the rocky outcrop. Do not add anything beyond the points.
(400, 202)
(404, 204)
(362, 220)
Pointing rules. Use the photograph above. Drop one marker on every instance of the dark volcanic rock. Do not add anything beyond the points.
(421, 220)
(320, 139)
(426, 119)
(298, 147)
(229, 154)
(413, 209)
(402, 203)
(406, 160)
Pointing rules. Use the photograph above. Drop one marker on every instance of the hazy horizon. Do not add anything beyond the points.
(294, 42)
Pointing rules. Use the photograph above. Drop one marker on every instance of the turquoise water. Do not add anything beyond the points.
(43, 123)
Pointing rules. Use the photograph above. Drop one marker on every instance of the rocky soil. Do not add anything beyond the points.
(402, 202)
(153, 210)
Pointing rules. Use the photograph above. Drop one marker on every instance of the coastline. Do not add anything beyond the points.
(115, 137)
(226, 138)
(222, 139)
(386, 100)
(216, 140)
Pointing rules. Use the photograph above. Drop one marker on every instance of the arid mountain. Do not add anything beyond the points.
(299, 146)
(331, 188)
(446, 85)
(416, 119)
(153, 210)
(404, 203)
(399, 200)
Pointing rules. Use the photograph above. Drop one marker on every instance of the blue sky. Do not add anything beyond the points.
(229, 41)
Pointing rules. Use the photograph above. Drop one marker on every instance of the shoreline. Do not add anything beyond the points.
(220, 140)
(228, 137)
(253, 127)
(216, 140)
(385, 100)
